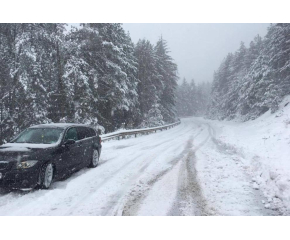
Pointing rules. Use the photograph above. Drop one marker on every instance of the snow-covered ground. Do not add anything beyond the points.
(199, 167)
(262, 148)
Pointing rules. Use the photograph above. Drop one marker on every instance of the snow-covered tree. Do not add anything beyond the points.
(150, 85)
(254, 80)
(167, 71)
(192, 100)
(154, 117)
(91, 74)
(108, 53)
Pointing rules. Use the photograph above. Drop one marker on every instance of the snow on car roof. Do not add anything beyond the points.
(58, 125)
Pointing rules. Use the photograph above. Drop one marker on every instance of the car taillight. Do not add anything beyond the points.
(100, 140)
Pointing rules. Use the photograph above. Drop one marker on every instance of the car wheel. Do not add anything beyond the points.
(95, 159)
(46, 176)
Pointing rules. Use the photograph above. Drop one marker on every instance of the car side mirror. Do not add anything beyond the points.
(69, 142)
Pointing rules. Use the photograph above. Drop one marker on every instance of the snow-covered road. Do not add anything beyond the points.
(182, 171)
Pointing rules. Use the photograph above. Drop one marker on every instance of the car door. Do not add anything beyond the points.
(91, 140)
(71, 153)
(85, 145)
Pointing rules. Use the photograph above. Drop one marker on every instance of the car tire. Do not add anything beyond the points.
(46, 176)
(95, 159)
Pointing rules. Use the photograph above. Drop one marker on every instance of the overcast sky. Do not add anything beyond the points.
(197, 48)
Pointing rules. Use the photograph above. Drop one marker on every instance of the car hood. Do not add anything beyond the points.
(17, 151)
(24, 147)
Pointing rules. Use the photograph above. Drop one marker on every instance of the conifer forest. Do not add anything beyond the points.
(94, 74)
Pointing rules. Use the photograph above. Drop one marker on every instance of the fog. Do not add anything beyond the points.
(198, 49)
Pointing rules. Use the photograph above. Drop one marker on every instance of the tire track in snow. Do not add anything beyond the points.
(131, 206)
(119, 200)
(189, 199)
(115, 200)
(136, 198)
(247, 200)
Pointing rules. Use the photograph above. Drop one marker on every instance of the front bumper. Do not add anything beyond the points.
(17, 179)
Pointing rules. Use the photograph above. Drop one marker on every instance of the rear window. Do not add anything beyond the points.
(83, 132)
(92, 132)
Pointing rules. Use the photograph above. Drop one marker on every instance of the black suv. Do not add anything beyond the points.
(48, 152)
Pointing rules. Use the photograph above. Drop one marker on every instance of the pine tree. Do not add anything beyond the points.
(108, 50)
(14, 51)
(150, 85)
(167, 70)
(182, 103)
(154, 117)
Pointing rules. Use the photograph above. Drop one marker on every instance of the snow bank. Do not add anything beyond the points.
(264, 145)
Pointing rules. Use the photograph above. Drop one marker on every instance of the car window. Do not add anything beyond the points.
(82, 132)
(71, 134)
(91, 132)
(85, 132)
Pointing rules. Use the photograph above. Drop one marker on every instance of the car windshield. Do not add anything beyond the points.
(39, 136)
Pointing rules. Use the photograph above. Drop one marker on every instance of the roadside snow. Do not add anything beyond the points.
(263, 145)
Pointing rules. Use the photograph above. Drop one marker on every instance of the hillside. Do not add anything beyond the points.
(253, 80)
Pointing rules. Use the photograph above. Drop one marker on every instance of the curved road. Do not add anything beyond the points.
(166, 173)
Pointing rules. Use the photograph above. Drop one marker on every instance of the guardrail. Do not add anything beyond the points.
(122, 135)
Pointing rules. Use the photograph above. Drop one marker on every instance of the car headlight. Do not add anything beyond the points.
(26, 164)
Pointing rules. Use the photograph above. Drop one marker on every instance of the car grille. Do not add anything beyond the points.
(3, 165)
